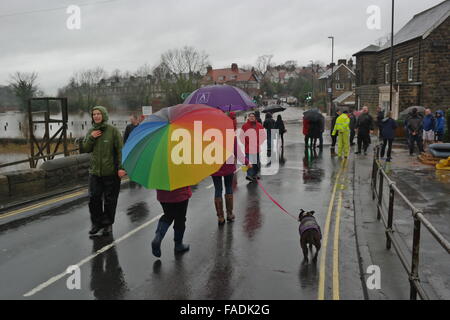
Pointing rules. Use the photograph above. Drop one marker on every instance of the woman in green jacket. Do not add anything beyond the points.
(105, 143)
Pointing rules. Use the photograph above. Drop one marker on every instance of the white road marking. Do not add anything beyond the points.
(84, 261)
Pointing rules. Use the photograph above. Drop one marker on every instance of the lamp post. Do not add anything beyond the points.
(332, 69)
(392, 58)
(312, 82)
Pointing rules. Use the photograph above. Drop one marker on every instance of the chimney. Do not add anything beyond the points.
(208, 69)
(350, 63)
(342, 61)
(234, 67)
(331, 65)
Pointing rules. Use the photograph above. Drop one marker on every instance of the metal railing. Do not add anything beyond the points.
(392, 239)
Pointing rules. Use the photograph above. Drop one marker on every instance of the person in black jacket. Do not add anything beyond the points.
(364, 126)
(134, 123)
(333, 138)
(269, 124)
(279, 124)
(352, 128)
(388, 126)
(415, 128)
(380, 117)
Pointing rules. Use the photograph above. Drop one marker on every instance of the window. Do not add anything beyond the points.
(339, 86)
(233, 77)
(410, 68)
(386, 73)
(221, 78)
(397, 71)
(337, 76)
(353, 85)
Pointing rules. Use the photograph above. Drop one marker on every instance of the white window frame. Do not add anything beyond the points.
(410, 68)
(339, 86)
(386, 73)
(397, 70)
(337, 76)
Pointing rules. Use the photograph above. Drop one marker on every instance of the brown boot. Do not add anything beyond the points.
(229, 204)
(218, 202)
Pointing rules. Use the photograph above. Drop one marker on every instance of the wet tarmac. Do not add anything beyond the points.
(256, 257)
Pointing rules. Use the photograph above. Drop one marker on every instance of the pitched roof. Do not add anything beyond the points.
(343, 96)
(327, 73)
(422, 24)
(371, 48)
(229, 75)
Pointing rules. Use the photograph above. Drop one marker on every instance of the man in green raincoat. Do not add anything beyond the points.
(105, 143)
(342, 128)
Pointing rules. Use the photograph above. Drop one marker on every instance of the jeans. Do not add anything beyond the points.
(415, 138)
(333, 140)
(103, 194)
(175, 211)
(387, 142)
(218, 185)
(364, 141)
(256, 164)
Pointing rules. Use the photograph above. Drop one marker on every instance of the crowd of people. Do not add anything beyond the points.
(105, 143)
(345, 126)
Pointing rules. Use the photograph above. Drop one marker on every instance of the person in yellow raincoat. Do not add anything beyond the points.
(342, 128)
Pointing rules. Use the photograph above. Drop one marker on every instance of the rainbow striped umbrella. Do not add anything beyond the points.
(178, 146)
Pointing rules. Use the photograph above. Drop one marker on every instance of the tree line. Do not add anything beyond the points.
(178, 71)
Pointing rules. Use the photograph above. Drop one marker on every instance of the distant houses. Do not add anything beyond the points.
(421, 67)
(342, 79)
(247, 80)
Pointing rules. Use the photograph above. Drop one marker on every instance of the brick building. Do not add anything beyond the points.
(245, 80)
(343, 78)
(421, 66)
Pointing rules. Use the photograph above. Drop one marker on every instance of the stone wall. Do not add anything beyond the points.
(436, 72)
(52, 175)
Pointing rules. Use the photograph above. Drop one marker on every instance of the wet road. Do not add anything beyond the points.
(256, 257)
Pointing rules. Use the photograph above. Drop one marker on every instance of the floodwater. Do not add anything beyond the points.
(13, 125)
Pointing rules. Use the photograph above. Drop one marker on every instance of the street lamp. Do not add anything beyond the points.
(332, 69)
(312, 82)
(392, 58)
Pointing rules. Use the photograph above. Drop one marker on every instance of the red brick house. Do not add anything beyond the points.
(421, 73)
(246, 80)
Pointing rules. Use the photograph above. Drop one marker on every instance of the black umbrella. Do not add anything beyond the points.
(273, 109)
(408, 110)
(312, 115)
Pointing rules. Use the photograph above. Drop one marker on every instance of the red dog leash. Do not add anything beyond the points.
(274, 201)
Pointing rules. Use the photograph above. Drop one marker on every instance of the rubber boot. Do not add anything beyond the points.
(178, 238)
(160, 233)
(229, 205)
(218, 202)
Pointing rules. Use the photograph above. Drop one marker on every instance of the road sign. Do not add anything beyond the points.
(184, 95)
(147, 110)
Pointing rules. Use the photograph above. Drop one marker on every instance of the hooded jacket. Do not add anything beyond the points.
(342, 124)
(106, 158)
(388, 126)
(440, 123)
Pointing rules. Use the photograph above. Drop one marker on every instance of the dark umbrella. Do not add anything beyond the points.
(274, 108)
(408, 110)
(312, 115)
(223, 97)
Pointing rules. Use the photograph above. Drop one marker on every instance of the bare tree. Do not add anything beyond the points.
(85, 83)
(186, 60)
(24, 86)
(263, 64)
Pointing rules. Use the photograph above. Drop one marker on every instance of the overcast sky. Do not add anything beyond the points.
(126, 34)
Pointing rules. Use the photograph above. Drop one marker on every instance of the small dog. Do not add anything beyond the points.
(310, 233)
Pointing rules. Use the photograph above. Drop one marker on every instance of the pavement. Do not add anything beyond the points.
(256, 257)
